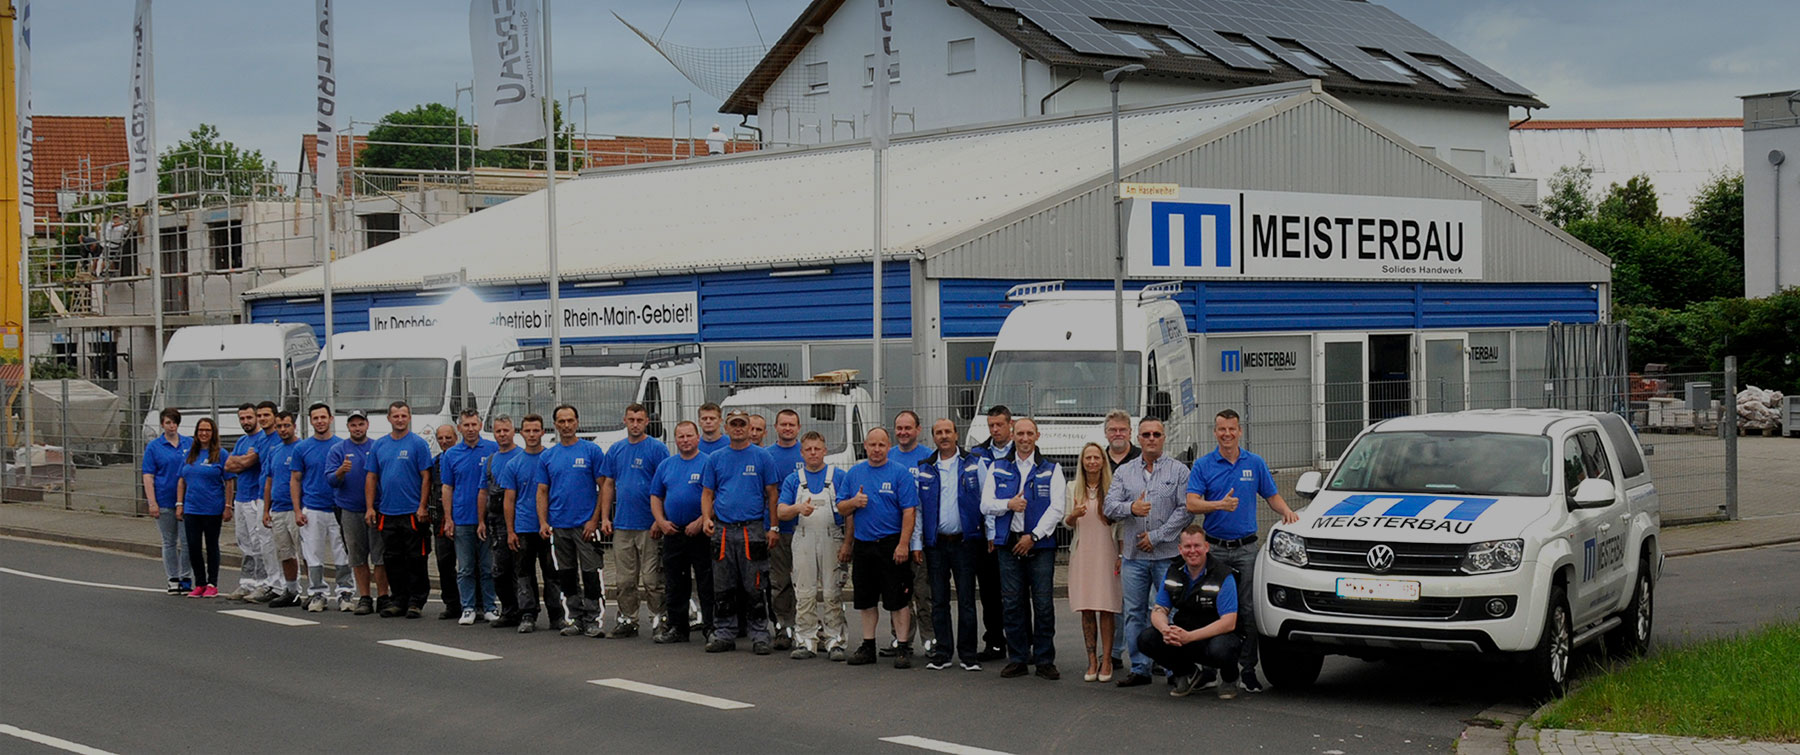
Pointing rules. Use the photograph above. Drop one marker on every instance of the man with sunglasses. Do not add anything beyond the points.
(1148, 500)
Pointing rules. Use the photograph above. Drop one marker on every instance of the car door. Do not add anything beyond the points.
(1596, 530)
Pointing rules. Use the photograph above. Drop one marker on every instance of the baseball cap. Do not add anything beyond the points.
(737, 415)
(358, 414)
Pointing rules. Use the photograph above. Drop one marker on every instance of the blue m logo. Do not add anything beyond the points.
(1193, 237)
(728, 371)
(1231, 361)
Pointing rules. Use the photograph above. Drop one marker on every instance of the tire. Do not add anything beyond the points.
(1545, 675)
(1632, 638)
(1288, 666)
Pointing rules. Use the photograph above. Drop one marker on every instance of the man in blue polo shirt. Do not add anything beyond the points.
(880, 513)
(399, 470)
(1217, 484)
(349, 465)
(785, 451)
(712, 433)
(909, 452)
(737, 509)
(247, 505)
(675, 494)
(163, 457)
(463, 472)
(495, 528)
(320, 537)
(1193, 626)
(625, 512)
(569, 516)
(529, 548)
(278, 490)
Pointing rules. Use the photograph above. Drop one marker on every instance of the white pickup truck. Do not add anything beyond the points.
(1515, 533)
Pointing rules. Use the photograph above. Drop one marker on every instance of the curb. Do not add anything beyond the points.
(1480, 738)
(1678, 552)
(229, 558)
(1524, 741)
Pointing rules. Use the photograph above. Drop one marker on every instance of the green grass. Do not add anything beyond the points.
(1745, 687)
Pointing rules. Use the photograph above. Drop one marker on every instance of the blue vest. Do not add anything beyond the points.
(1036, 491)
(968, 496)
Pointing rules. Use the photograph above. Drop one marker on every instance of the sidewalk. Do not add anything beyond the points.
(1571, 742)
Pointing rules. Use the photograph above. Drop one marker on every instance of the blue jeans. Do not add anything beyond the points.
(943, 561)
(174, 547)
(1028, 605)
(1141, 578)
(474, 562)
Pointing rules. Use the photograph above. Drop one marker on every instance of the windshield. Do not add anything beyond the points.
(1446, 462)
(372, 384)
(601, 399)
(226, 382)
(833, 429)
(1059, 383)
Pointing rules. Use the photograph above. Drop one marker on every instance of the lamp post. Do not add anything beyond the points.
(1112, 81)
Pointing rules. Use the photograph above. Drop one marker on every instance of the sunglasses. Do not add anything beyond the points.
(1150, 435)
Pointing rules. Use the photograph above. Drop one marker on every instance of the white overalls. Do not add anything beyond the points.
(818, 625)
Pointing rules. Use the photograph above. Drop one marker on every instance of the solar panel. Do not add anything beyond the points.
(1335, 30)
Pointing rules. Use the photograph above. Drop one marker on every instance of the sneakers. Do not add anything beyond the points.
(624, 630)
(717, 645)
(1227, 691)
(802, 653)
(1134, 680)
(287, 600)
(187, 584)
(1209, 678)
(490, 616)
(503, 622)
(895, 649)
(864, 655)
(391, 611)
(315, 604)
(837, 655)
(382, 602)
(903, 655)
(365, 605)
(1048, 671)
(198, 592)
(346, 603)
(1185, 684)
(571, 629)
(262, 595)
(967, 666)
(211, 592)
(468, 617)
(415, 612)
(669, 637)
(990, 653)
(527, 626)
(783, 642)
(1013, 671)
(1248, 681)
(594, 630)
(239, 595)
(761, 647)
(937, 664)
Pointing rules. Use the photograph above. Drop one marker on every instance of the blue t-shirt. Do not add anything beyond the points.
(163, 461)
(464, 468)
(1213, 475)
(815, 482)
(1227, 601)
(350, 493)
(677, 483)
(709, 446)
(787, 461)
(276, 473)
(205, 477)
(249, 478)
(311, 459)
(520, 475)
(573, 473)
(397, 465)
(738, 479)
(891, 489)
(631, 467)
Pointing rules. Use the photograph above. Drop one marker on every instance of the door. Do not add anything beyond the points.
(1446, 371)
(1601, 576)
(1341, 398)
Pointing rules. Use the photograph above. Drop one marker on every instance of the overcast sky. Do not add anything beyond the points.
(248, 66)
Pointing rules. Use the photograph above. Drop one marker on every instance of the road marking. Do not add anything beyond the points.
(272, 618)
(49, 741)
(48, 578)
(450, 652)
(938, 745)
(671, 693)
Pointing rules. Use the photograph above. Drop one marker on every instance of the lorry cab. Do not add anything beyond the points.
(438, 370)
(601, 381)
(832, 403)
(1053, 361)
(208, 367)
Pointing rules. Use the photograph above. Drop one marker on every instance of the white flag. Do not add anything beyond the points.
(325, 133)
(27, 182)
(509, 108)
(879, 118)
(140, 135)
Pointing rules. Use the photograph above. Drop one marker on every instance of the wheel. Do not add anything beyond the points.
(1289, 667)
(1546, 671)
(1632, 637)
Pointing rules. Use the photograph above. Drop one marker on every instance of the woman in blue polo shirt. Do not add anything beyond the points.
(200, 497)
(162, 469)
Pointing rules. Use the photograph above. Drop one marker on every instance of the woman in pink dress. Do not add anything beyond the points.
(1094, 589)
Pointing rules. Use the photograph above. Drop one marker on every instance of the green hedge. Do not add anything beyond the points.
(1764, 334)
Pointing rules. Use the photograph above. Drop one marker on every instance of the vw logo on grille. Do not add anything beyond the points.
(1381, 558)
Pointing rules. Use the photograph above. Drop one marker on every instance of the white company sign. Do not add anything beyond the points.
(669, 314)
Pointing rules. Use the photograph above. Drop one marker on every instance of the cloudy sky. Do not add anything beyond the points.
(247, 66)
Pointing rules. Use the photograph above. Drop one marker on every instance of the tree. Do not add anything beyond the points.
(1634, 203)
(425, 137)
(207, 163)
(1663, 264)
(1571, 196)
(1718, 213)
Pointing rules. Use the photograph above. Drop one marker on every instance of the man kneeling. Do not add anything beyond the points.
(1193, 627)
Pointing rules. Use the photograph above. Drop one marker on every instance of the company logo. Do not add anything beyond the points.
(580, 463)
(1408, 512)
(1231, 361)
(1183, 224)
(1484, 354)
(974, 369)
(732, 371)
(1380, 558)
(1601, 555)
(403, 453)
(749, 470)
(728, 371)
(694, 479)
(1238, 360)
(1247, 475)
(887, 487)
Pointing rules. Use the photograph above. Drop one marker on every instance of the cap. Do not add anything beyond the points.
(737, 415)
(358, 414)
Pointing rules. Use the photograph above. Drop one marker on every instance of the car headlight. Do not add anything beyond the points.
(1493, 556)
(1288, 548)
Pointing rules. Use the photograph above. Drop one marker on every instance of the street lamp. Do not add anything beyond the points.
(1112, 81)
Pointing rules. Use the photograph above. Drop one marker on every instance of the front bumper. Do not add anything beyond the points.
(1453, 613)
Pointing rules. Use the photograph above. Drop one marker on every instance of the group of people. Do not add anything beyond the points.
(759, 537)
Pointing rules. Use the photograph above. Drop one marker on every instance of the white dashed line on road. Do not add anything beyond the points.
(671, 693)
(443, 650)
(49, 741)
(48, 578)
(938, 745)
(272, 618)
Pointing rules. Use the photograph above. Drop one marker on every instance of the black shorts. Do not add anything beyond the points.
(876, 578)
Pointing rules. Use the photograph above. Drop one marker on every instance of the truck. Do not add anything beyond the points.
(1511, 534)
(1054, 361)
(438, 370)
(600, 381)
(833, 403)
(218, 367)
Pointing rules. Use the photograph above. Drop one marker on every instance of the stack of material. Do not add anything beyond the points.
(1758, 409)
(1668, 412)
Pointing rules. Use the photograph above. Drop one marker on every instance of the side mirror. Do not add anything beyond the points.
(1309, 484)
(965, 404)
(1161, 406)
(655, 429)
(1594, 493)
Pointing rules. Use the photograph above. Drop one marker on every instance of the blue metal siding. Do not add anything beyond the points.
(753, 306)
(1453, 306)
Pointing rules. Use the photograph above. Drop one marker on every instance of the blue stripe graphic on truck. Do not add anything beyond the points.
(1464, 510)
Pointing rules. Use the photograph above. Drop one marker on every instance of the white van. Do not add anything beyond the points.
(423, 366)
(221, 366)
(1053, 361)
(833, 404)
(600, 381)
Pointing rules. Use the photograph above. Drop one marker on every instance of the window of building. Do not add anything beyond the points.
(1442, 68)
(174, 253)
(1305, 55)
(818, 77)
(869, 69)
(962, 56)
(1180, 45)
(1246, 47)
(380, 228)
(226, 240)
(1138, 41)
(1392, 64)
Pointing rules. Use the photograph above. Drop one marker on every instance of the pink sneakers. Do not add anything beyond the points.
(204, 591)
(212, 591)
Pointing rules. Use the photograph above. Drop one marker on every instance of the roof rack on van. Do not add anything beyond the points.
(1028, 291)
(538, 357)
(1160, 291)
(663, 356)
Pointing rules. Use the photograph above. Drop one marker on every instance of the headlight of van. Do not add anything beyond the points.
(1288, 548)
(1493, 556)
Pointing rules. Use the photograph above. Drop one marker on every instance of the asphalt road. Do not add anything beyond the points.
(136, 671)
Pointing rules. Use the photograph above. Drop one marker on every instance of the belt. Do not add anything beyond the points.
(956, 538)
(1245, 540)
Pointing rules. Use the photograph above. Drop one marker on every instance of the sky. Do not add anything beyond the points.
(247, 65)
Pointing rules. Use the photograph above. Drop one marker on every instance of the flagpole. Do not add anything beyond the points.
(878, 115)
(325, 150)
(555, 281)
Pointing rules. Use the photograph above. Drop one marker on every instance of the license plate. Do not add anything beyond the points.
(1377, 589)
